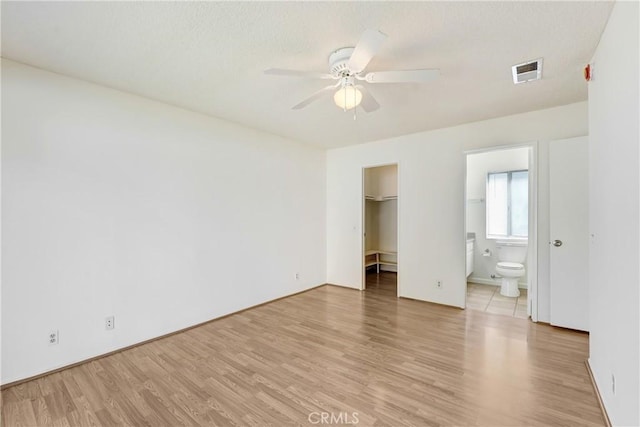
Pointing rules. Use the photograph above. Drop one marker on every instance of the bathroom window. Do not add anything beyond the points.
(507, 204)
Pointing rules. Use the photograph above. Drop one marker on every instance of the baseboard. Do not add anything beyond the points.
(342, 286)
(91, 359)
(492, 282)
(607, 421)
(481, 281)
(440, 304)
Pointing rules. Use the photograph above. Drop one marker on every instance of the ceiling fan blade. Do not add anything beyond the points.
(368, 102)
(409, 76)
(369, 44)
(319, 94)
(295, 73)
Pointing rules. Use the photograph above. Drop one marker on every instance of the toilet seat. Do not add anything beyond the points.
(510, 265)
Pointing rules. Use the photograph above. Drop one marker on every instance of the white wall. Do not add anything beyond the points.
(431, 239)
(118, 205)
(478, 166)
(614, 215)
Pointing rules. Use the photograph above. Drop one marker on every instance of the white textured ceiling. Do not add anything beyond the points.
(209, 57)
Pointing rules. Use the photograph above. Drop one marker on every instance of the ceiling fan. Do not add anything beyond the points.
(346, 65)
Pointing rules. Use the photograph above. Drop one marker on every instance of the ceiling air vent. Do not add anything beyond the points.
(527, 71)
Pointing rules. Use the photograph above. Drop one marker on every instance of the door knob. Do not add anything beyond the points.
(557, 243)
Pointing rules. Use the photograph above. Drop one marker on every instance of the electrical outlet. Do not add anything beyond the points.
(109, 322)
(53, 337)
(439, 284)
(297, 276)
(613, 383)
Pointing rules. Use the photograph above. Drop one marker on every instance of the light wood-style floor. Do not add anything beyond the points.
(392, 361)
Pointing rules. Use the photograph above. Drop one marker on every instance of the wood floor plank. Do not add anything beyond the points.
(337, 351)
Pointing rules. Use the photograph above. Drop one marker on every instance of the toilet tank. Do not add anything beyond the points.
(512, 250)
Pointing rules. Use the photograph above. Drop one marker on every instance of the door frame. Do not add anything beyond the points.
(363, 203)
(532, 252)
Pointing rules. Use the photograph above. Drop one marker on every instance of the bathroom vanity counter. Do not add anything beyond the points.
(470, 243)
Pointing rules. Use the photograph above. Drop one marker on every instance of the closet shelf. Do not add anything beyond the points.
(378, 251)
(377, 257)
(380, 198)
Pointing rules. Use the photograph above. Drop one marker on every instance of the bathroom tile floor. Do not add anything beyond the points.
(487, 298)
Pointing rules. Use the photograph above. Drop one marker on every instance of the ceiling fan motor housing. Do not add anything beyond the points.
(338, 61)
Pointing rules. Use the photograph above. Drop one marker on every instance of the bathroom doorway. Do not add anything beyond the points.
(380, 225)
(500, 224)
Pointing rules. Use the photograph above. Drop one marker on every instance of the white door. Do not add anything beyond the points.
(569, 230)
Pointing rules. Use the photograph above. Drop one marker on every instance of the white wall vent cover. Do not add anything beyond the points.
(527, 71)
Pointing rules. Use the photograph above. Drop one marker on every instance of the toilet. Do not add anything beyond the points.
(511, 255)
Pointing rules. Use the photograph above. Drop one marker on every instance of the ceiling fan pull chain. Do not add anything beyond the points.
(345, 98)
(355, 105)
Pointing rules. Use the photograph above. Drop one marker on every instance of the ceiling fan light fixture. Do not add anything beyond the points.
(347, 97)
